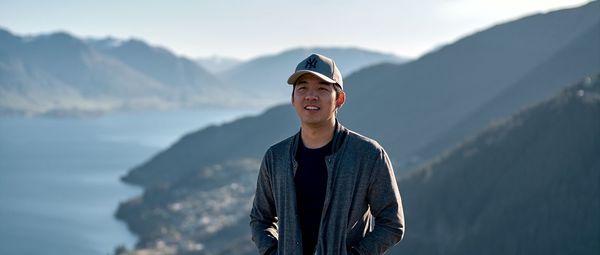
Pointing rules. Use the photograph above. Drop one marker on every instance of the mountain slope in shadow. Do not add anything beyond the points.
(579, 58)
(528, 185)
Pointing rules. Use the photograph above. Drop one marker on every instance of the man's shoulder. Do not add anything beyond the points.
(362, 142)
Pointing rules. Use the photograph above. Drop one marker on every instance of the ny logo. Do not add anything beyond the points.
(311, 63)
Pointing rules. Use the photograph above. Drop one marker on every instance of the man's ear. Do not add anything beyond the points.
(341, 99)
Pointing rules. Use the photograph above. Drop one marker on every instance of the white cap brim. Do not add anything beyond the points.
(299, 73)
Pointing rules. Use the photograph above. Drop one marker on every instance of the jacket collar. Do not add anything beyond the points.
(339, 136)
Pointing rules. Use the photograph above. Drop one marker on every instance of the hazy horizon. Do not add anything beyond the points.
(245, 30)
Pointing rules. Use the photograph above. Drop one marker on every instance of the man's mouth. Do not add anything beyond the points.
(311, 108)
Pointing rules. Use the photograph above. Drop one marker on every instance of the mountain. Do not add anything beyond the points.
(59, 74)
(216, 144)
(579, 58)
(407, 107)
(217, 64)
(264, 78)
(426, 97)
(162, 65)
(188, 213)
(528, 185)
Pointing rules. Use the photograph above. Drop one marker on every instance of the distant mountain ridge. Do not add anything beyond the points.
(217, 64)
(53, 73)
(161, 64)
(59, 74)
(264, 77)
(177, 72)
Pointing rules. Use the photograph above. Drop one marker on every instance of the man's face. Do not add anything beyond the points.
(314, 100)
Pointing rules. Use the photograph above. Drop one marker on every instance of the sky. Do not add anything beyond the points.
(244, 29)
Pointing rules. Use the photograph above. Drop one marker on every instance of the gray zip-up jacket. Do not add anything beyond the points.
(362, 209)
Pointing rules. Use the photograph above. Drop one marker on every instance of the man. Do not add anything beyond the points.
(325, 190)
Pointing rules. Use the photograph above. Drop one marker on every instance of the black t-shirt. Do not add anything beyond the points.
(311, 186)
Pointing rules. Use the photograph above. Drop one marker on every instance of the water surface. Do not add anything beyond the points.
(59, 178)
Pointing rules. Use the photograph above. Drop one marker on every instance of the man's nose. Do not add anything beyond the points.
(311, 95)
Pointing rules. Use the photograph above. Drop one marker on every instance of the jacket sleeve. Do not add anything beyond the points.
(263, 217)
(386, 206)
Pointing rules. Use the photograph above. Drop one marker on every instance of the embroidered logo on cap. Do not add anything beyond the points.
(311, 63)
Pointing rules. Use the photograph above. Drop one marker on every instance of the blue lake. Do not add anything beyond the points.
(59, 178)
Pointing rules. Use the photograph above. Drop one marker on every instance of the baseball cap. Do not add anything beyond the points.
(319, 65)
